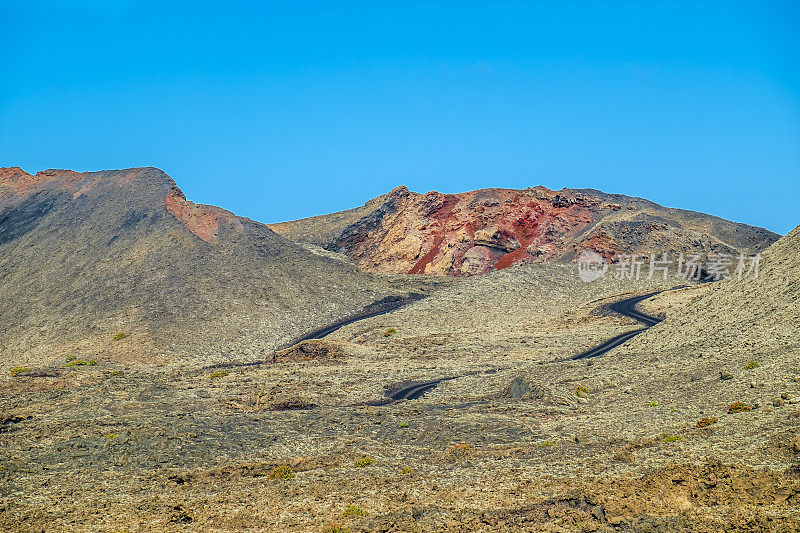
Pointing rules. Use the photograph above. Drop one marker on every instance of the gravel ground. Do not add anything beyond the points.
(520, 439)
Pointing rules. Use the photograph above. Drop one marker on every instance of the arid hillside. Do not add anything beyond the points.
(490, 229)
(84, 256)
(735, 321)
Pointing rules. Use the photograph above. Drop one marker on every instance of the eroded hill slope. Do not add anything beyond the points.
(85, 255)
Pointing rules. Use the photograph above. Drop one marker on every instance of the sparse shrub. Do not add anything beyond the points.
(389, 332)
(281, 472)
(17, 370)
(81, 362)
(115, 373)
(118, 336)
(71, 357)
(406, 470)
(353, 510)
(738, 407)
(335, 528)
(402, 424)
(653, 404)
(672, 438)
(218, 374)
(546, 444)
(92, 362)
(581, 390)
(706, 421)
(750, 365)
(110, 436)
(459, 450)
(364, 461)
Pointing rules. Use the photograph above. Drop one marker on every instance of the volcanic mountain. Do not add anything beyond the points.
(86, 255)
(490, 229)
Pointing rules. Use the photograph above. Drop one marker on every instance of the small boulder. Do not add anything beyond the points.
(518, 388)
(795, 444)
(308, 350)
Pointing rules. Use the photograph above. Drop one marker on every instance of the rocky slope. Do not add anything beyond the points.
(733, 321)
(86, 255)
(483, 230)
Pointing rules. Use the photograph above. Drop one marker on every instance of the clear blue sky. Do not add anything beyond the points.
(284, 110)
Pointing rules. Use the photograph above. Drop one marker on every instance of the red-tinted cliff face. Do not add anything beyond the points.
(202, 220)
(470, 233)
(491, 229)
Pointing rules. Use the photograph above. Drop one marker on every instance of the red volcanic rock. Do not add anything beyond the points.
(491, 229)
(20, 182)
(469, 233)
(202, 220)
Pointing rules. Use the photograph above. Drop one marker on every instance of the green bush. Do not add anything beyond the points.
(750, 365)
(118, 336)
(402, 425)
(364, 461)
(672, 438)
(353, 510)
(17, 370)
(389, 332)
(218, 374)
(281, 472)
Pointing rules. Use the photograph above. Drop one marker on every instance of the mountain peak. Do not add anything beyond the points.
(490, 229)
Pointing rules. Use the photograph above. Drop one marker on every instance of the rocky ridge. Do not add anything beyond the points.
(490, 229)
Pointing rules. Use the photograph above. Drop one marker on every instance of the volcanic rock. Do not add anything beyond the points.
(491, 229)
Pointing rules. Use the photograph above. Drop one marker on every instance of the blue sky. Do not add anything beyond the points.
(283, 110)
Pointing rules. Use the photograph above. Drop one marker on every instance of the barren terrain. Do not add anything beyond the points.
(516, 437)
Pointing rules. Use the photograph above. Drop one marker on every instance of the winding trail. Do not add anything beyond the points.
(381, 307)
(414, 390)
(627, 308)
